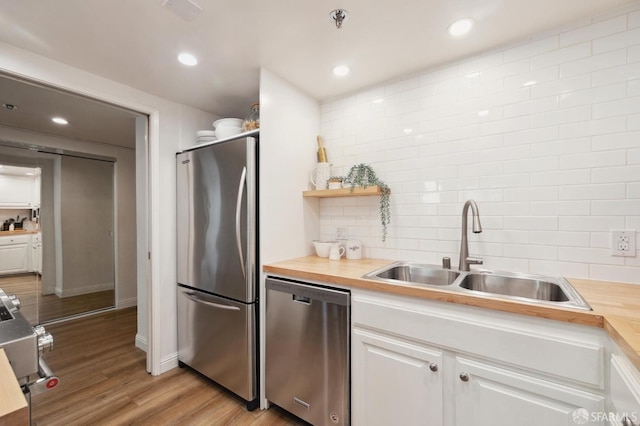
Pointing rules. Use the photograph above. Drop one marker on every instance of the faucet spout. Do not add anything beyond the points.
(465, 260)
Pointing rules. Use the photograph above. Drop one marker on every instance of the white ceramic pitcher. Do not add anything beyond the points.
(320, 175)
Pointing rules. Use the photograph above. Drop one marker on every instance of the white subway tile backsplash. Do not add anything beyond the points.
(560, 56)
(616, 41)
(554, 165)
(592, 159)
(559, 238)
(615, 174)
(624, 274)
(619, 74)
(634, 19)
(615, 141)
(564, 85)
(563, 116)
(531, 49)
(615, 207)
(612, 191)
(617, 108)
(589, 32)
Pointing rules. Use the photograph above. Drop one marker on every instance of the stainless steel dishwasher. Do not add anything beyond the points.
(307, 351)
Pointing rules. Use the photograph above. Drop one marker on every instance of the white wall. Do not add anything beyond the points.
(289, 125)
(544, 135)
(170, 125)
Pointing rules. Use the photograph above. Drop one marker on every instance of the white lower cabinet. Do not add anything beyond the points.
(624, 388)
(395, 382)
(488, 395)
(14, 254)
(430, 363)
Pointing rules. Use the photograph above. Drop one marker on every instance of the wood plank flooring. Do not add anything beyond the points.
(103, 381)
(39, 309)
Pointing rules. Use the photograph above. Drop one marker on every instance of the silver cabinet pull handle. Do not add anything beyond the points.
(195, 298)
(243, 180)
(464, 377)
(433, 366)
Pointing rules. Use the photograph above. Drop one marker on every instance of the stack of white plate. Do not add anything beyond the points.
(227, 127)
(206, 136)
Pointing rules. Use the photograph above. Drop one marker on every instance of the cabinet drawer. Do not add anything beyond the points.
(14, 239)
(558, 349)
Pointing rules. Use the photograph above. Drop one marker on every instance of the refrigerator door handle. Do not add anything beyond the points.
(192, 296)
(243, 180)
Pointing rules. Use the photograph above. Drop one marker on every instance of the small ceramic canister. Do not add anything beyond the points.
(354, 249)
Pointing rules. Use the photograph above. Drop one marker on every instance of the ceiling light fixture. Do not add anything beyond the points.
(188, 59)
(339, 17)
(60, 120)
(340, 70)
(461, 27)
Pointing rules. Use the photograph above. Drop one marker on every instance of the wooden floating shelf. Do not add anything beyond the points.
(344, 192)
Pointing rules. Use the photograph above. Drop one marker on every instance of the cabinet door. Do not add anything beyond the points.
(394, 382)
(625, 391)
(13, 259)
(492, 396)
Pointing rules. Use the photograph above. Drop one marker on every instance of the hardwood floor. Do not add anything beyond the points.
(103, 381)
(39, 309)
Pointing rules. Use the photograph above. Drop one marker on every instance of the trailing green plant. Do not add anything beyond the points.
(362, 175)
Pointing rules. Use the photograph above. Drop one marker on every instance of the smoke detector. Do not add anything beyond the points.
(186, 9)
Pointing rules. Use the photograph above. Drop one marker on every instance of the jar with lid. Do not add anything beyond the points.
(252, 122)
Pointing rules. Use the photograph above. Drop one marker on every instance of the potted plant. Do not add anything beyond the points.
(362, 175)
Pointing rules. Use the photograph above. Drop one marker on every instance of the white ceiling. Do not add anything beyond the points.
(136, 42)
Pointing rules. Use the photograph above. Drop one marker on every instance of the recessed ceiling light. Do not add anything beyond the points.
(10, 107)
(461, 27)
(188, 59)
(341, 70)
(59, 120)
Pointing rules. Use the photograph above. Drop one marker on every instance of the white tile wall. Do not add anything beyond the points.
(544, 135)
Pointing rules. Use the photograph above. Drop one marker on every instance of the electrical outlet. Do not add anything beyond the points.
(623, 242)
(341, 233)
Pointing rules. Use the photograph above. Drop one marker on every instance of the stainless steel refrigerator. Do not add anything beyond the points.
(217, 292)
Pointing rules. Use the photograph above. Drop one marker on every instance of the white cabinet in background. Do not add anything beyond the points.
(493, 368)
(19, 191)
(14, 254)
(393, 373)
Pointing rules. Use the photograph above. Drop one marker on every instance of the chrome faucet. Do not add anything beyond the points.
(465, 259)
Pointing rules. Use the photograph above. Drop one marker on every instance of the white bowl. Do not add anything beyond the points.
(205, 133)
(227, 131)
(323, 247)
(228, 122)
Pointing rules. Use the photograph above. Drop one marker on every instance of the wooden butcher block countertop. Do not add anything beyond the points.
(17, 232)
(616, 306)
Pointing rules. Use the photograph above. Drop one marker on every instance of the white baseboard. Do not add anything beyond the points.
(62, 293)
(168, 363)
(127, 303)
(141, 342)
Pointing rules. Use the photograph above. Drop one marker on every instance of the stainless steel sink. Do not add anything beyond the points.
(415, 274)
(531, 288)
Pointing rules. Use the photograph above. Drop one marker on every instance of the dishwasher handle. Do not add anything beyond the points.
(306, 293)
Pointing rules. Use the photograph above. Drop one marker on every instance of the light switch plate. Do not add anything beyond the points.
(623, 242)
(341, 233)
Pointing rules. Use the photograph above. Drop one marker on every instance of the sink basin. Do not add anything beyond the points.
(532, 287)
(415, 274)
(551, 291)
